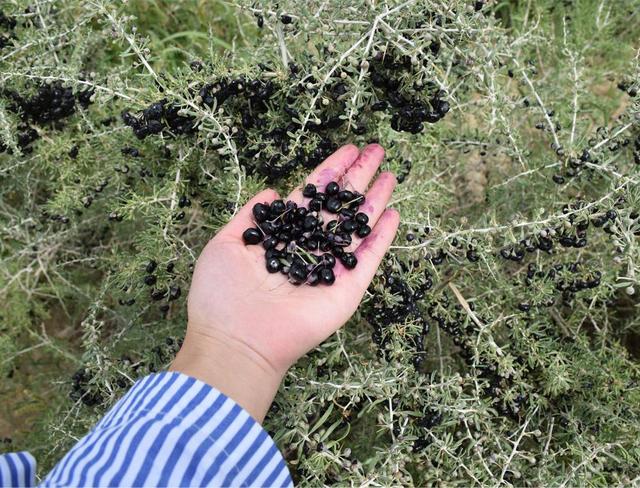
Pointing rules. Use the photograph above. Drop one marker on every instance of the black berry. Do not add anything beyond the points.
(309, 191)
(273, 265)
(252, 236)
(151, 266)
(362, 218)
(326, 276)
(332, 188)
(277, 207)
(333, 205)
(349, 260)
(363, 231)
(260, 212)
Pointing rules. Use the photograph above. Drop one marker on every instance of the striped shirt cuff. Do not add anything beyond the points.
(17, 469)
(173, 430)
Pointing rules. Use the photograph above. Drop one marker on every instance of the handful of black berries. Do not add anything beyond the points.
(297, 240)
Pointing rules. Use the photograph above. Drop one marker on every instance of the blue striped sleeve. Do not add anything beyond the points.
(17, 469)
(172, 430)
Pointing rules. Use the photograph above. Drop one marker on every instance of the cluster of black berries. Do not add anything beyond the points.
(563, 277)
(430, 419)
(405, 308)
(571, 234)
(7, 24)
(81, 390)
(585, 163)
(417, 233)
(249, 93)
(404, 171)
(273, 168)
(438, 258)
(154, 361)
(630, 88)
(158, 117)
(450, 321)
(411, 117)
(292, 235)
(51, 103)
(249, 96)
(26, 135)
(172, 293)
(169, 291)
(247, 100)
(161, 355)
(574, 165)
(409, 112)
(274, 152)
(286, 19)
(453, 321)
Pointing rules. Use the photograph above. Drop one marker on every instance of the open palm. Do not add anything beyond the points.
(233, 297)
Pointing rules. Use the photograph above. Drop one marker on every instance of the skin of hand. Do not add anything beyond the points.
(246, 327)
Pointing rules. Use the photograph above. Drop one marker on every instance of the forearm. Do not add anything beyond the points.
(233, 369)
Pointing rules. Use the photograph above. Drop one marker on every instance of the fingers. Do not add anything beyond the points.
(244, 218)
(362, 170)
(372, 250)
(331, 169)
(376, 201)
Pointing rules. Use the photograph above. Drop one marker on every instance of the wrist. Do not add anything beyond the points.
(232, 367)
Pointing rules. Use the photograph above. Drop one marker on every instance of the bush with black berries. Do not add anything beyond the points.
(499, 342)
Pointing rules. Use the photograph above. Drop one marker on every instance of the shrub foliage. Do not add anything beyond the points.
(498, 343)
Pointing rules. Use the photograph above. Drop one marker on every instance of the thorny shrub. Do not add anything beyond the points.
(498, 343)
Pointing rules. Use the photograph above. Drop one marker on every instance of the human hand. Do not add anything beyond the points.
(247, 326)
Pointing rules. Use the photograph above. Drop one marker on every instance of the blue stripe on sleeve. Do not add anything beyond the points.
(286, 483)
(28, 467)
(184, 439)
(261, 465)
(131, 402)
(198, 447)
(275, 474)
(145, 399)
(156, 451)
(248, 454)
(139, 437)
(226, 450)
(101, 441)
(81, 451)
(114, 428)
(119, 451)
(12, 471)
(174, 430)
(4, 470)
(203, 449)
(284, 480)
